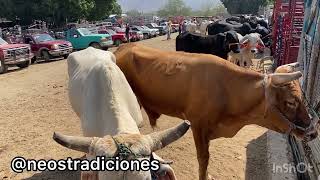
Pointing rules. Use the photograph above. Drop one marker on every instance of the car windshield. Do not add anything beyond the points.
(111, 32)
(43, 38)
(2, 42)
(84, 31)
(145, 27)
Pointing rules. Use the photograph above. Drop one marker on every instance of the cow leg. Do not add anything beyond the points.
(90, 175)
(202, 145)
(153, 116)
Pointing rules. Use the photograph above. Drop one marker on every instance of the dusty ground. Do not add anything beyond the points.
(34, 104)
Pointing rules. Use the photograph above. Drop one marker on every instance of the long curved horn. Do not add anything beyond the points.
(282, 78)
(161, 139)
(81, 144)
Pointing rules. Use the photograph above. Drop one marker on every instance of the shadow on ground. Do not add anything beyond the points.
(257, 164)
(58, 175)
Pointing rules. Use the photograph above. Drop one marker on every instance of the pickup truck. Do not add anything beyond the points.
(146, 33)
(45, 47)
(133, 35)
(117, 38)
(154, 31)
(82, 38)
(161, 29)
(14, 55)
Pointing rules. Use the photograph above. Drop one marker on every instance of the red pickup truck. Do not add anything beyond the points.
(117, 38)
(46, 47)
(14, 55)
(133, 35)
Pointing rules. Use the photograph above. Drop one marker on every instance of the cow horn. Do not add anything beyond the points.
(161, 139)
(294, 65)
(283, 78)
(81, 144)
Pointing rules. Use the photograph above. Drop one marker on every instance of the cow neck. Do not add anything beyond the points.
(255, 106)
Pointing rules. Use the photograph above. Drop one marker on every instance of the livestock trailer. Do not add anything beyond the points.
(287, 27)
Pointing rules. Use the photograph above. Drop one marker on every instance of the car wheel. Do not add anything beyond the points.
(117, 42)
(96, 45)
(3, 67)
(24, 65)
(145, 36)
(33, 60)
(45, 55)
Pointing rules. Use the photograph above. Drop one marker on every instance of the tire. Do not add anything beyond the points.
(3, 67)
(145, 36)
(24, 65)
(117, 42)
(45, 55)
(33, 60)
(96, 45)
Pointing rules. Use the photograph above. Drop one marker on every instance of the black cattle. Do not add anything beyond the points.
(265, 34)
(233, 19)
(222, 26)
(219, 45)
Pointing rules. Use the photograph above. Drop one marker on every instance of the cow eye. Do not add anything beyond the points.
(290, 104)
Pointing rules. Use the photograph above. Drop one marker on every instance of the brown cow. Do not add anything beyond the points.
(218, 97)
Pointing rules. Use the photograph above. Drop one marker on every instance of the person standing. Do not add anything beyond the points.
(169, 29)
(128, 32)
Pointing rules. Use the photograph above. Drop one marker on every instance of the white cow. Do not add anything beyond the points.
(203, 26)
(102, 98)
(251, 44)
(191, 27)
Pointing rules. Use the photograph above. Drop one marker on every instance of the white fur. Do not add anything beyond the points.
(100, 94)
(244, 58)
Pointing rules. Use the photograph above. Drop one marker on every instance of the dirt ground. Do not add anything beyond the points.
(34, 103)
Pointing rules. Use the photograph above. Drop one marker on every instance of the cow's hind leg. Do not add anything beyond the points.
(153, 116)
(202, 144)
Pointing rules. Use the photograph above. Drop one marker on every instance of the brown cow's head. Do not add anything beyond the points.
(141, 147)
(286, 106)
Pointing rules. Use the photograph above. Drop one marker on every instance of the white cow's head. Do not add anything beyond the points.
(252, 43)
(141, 146)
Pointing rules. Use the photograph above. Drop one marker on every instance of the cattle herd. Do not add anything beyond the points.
(237, 39)
(107, 90)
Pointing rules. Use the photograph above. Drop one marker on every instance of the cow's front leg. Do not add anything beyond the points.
(89, 175)
(202, 145)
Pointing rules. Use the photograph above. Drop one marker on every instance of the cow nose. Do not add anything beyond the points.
(236, 51)
(253, 51)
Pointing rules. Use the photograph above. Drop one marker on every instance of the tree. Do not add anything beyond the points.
(210, 9)
(174, 8)
(134, 13)
(244, 6)
(57, 12)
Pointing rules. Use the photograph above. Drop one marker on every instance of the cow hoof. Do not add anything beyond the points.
(210, 177)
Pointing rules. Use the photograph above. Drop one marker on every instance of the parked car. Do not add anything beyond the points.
(133, 35)
(146, 33)
(154, 32)
(174, 28)
(45, 47)
(82, 38)
(161, 29)
(117, 38)
(14, 55)
(138, 35)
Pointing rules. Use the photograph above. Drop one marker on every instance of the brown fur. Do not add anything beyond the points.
(218, 97)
